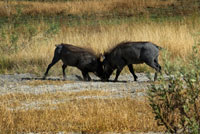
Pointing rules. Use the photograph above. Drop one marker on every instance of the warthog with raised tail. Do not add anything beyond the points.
(83, 59)
(128, 53)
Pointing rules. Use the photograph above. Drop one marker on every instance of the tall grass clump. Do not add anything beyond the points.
(176, 101)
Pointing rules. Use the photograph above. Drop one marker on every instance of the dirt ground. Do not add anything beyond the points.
(29, 83)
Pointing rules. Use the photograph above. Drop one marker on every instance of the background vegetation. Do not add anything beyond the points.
(29, 30)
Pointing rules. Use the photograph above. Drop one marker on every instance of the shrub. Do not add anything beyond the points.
(175, 101)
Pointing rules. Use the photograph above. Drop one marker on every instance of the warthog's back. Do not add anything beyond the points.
(135, 46)
(133, 52)
(76, 56)
(75, 49)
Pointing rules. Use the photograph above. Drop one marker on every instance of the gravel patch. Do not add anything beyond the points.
(17, 83)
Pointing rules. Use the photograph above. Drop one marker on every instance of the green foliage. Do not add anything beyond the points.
(17, 27)
(176, 101)
(53, 28)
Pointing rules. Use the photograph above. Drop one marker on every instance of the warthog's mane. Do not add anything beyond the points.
(79, 49)
(121, 45)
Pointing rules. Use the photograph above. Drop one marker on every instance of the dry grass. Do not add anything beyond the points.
(32, 53)
(77, 115)
(12, 98)
(177, 38)
(47, 82)
(80, 7)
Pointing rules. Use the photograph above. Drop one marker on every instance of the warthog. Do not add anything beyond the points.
(81, 58)
(128, 53)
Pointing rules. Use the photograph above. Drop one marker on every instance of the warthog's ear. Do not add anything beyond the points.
(102, 57)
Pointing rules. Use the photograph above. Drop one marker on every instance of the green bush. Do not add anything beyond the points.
(176, 99)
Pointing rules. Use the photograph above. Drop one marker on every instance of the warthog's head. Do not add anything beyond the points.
(107, 67)
(99, 69)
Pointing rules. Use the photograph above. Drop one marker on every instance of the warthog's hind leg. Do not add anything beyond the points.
(86, 76)
(63, 69)
(54, 61)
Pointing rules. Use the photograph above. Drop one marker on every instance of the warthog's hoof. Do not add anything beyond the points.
(44, 78)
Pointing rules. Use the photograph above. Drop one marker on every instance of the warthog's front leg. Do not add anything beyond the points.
(118, 73)
(132, 71)
(86, 76)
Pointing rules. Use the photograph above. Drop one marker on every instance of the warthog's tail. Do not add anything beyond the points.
(58, 48)
(160, 48)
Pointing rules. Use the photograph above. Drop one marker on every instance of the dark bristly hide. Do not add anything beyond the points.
(128, 53)
(83, 59)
